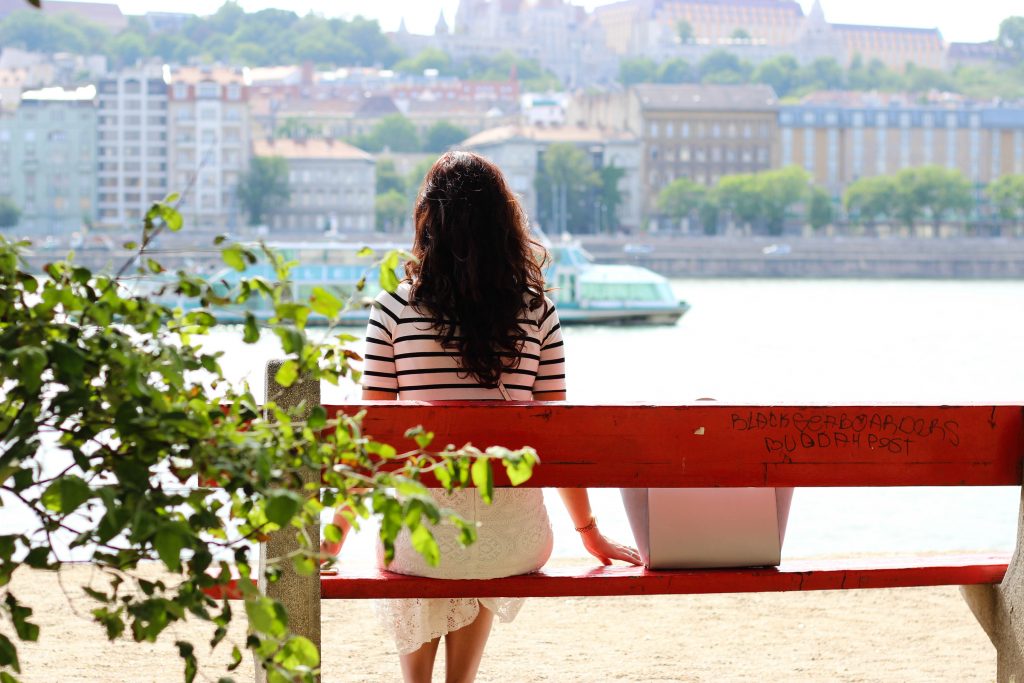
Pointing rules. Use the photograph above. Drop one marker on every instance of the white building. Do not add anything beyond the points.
(209, 143)
(332, 184)
(131, 146)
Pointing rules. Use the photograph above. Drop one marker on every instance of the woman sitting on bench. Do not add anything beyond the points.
(471, 321)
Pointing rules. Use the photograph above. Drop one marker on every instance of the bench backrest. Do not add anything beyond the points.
(720, 445)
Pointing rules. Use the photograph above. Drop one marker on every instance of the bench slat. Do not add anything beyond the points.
(802, 575)
(719, 445)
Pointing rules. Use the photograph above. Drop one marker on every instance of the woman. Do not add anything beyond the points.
(471, 322)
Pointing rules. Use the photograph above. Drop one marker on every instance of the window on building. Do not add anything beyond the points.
(208, 91)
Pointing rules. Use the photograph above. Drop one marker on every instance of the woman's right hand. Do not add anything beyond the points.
(606, 550)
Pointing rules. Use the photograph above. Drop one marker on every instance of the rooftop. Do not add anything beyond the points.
(493, 136)
(57, 94)
(199, 74)
(706, 97)
(312, 148)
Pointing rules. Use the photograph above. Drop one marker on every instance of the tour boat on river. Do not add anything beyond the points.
(585, 292)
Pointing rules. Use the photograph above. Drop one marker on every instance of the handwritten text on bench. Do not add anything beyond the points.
(875, 430)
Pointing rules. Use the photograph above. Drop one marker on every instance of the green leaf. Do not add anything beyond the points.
(169, 542)
(8, 654)
(282, 507)
(483, 478)
(423, 542)
(364, 252)
(520, 469)
(266, 616)
(317, 418)
(236, 658)
(324, 303)
(187, 652)
(299, 652)
(171, 217)
(234, 256)
(332, 533)
(154, 266)
(66, 494)
(287, 373)
(252, 329)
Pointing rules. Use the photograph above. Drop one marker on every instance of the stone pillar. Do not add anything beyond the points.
(1000, 611)
(300, 595)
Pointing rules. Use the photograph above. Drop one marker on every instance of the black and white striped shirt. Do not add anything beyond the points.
(404, 355)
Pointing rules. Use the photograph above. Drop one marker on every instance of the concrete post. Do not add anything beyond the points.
(300, 595)
(1000, 611)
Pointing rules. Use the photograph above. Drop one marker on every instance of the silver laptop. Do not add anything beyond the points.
(708, 527)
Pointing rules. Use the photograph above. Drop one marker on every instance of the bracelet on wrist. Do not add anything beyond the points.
(589, 526)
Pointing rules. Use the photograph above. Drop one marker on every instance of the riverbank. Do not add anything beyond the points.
(814, 257)
(915, 634)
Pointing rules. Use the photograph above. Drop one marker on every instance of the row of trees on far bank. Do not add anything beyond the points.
(770, 201)
(766, 201)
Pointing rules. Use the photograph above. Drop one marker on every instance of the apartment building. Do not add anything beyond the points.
(332, 184)
(48, 160)
(842, 136)
(131, 147)
(209, 142)
(701, 132)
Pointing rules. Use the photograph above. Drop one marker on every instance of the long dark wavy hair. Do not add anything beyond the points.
(477, 268)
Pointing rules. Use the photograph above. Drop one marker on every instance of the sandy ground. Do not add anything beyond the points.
(910, 634)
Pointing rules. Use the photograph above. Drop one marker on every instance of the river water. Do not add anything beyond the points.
(793, 342)
(809, 341)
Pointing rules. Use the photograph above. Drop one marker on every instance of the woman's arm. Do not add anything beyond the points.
(577, 503)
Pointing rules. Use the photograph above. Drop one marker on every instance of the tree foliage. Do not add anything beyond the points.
(121, 433)
(9, 213)
(391, 209)
(925, 192)
(1007, 195)
(441, 135)
(764, 199)
(230, 34)
(263, 186)
(681, 198)
(394, 133)
(819, 209)
(567, 186)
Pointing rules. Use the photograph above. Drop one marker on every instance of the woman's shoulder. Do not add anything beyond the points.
(394, 302)
(539, 307)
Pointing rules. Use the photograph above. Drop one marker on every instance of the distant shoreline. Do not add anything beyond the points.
(814, 257)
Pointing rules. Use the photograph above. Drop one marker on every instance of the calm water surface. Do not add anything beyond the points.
(800, 341)
(797, 341)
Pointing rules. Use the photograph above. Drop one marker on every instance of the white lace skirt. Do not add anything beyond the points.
(513, 537)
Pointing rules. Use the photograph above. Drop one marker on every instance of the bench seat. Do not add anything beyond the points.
(796, 575)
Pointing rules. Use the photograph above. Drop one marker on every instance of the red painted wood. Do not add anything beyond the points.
(719, 445)
(589, 580)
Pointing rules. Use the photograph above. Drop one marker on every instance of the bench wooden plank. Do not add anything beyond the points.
(720, 445)
(802, 575)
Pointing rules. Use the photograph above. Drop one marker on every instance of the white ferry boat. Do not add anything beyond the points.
(585, 292)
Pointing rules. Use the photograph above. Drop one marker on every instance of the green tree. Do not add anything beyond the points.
(871, 199)
(722, 66)
(264, 185)
(431, 58)
(680, 199)
(442, 135)
(676, 71)
(391, 210)
(823, 73)
(782, 73)
(740, 34)
(128, 48)
(295, 128)
(1011, 36)
(634, 70)
(1006, 193)
(708, 213)
(113, 411)
(763, 199)
(388, 178)
(932, 192)
(819, 209)
(394, 133)
(9, 213)
(414, 178)
(684, 30)
(566, 185)
(610, 197)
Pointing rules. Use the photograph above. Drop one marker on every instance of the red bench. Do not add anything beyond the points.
(729, 446)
